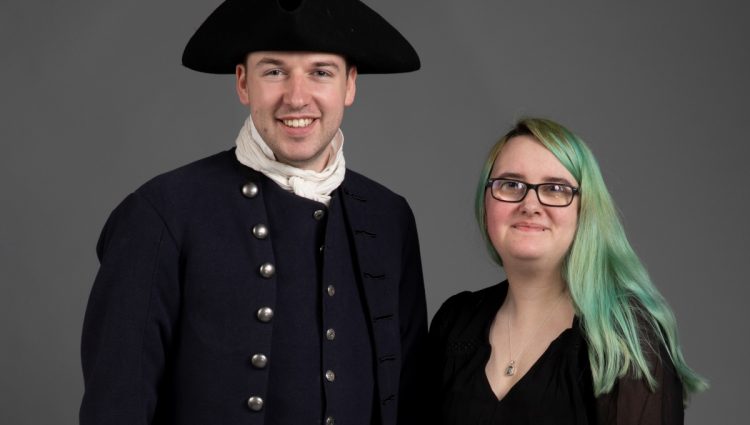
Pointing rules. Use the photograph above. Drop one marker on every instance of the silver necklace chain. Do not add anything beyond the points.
(511, 369)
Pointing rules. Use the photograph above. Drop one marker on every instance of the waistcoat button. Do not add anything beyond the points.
(255, 403)
(250, 190)
(265, 314)
(260, 231)
(330, 334)
(267, 270)
(259, 361)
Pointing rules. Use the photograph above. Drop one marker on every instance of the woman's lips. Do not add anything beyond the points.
(529, 227)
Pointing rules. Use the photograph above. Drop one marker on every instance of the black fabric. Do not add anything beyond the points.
(350, 397)
(171, 321)
(345, 27)
(295, 393)
(301, 352)
(557, 389)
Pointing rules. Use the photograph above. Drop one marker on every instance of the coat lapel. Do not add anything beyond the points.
(374, 264)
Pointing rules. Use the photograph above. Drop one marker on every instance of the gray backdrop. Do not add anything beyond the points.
(94, 102)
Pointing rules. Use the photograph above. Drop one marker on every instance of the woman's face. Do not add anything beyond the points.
(527, 232)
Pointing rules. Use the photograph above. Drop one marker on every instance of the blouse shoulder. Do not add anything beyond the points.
(451, 307)
(633, 401)
(464, 315)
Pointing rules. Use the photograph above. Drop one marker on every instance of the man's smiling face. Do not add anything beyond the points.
(297, 102)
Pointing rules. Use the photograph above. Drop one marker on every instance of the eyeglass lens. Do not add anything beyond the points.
(552, 194)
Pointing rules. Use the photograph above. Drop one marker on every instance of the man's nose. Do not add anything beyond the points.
(297, 93)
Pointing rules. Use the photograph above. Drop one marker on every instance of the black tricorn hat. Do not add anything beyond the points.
(345, 27)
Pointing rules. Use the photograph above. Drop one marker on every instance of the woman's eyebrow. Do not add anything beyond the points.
(547, 179)
(509, 175)
(557, 180)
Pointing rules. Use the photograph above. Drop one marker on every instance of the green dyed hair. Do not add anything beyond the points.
(610, 288)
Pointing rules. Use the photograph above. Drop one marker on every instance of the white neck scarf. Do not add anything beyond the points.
(253, 152)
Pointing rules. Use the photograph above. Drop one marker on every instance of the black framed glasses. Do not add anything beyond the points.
(549, 194)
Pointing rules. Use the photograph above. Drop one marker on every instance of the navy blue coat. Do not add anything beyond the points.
(171, 319)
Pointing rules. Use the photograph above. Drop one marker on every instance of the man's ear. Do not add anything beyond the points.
(351, 85)
(240, 72)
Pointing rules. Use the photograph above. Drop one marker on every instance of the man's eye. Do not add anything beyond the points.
(273, 72)
(321, 73)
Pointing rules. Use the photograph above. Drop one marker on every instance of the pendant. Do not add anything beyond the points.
(510, 370)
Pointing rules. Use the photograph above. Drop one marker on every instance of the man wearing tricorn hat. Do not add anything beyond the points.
(266, 284)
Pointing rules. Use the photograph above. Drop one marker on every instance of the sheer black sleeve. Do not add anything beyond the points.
(632, 401)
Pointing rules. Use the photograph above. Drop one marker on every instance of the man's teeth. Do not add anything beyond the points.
(298, 122)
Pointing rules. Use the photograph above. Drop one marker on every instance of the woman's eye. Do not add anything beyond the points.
(512, 186)
(555, 188)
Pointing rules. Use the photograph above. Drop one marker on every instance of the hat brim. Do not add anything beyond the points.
(345, 27)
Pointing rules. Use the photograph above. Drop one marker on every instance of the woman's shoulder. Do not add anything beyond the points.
(635, 399)
(469, 301)
(467, 311)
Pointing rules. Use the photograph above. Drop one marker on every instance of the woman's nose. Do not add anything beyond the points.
(530, 202)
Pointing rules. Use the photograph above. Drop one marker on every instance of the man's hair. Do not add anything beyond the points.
(609, 286)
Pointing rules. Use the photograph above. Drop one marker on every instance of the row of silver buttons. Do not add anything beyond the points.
(265, 314)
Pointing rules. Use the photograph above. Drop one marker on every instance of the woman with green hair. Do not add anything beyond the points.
(577, 334)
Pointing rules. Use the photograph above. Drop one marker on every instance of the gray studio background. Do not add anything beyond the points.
(94, 102)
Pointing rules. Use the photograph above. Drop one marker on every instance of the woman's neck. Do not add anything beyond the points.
(531, 294)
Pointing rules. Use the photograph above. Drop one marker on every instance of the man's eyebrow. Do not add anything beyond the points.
(278, 62)
(269, 61)
(325, 64)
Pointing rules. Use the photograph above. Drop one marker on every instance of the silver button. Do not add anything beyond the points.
(250, 190)
(330, 376)
(255, 403)
(322, 248)
(259, 361)
(330, 334)
(260, 231)
(319, 214)
(267, 270)
(330, 421)
(265, 314)
(331, 290)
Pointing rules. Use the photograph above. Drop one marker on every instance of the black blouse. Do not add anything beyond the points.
(557, 389)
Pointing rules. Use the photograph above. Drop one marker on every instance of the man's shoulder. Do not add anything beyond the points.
(359, 186)
(197, 185)
(208, 169)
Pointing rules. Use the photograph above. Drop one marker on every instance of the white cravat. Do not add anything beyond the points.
(253, 152)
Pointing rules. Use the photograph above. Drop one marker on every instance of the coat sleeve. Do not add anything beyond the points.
(413, 328)
(130, 319)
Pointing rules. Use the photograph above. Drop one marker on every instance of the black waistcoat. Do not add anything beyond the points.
(320, 363)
